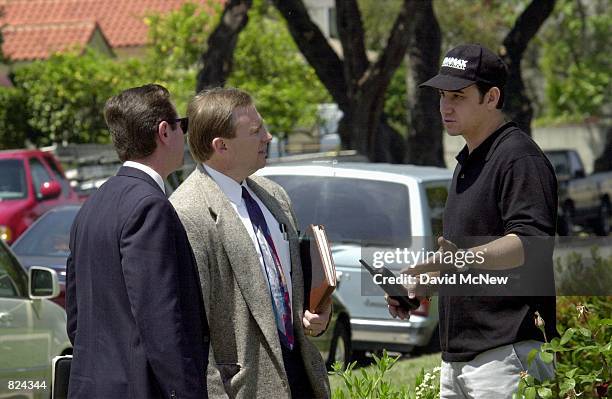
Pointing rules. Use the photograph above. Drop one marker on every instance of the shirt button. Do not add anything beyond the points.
(462, 176)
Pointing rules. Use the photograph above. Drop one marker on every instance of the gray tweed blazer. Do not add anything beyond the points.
(246, 359)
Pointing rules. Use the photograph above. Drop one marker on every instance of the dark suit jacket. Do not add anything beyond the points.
(133, 298)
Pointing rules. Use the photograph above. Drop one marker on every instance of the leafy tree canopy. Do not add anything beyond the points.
(576, 61)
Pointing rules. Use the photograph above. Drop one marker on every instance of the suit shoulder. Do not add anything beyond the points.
(187, 196)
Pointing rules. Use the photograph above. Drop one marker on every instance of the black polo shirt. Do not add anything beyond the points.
(506, 185)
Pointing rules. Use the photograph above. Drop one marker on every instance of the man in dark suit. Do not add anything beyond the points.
(244, 236)
(135, 313)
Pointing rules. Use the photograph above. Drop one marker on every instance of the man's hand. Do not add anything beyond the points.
(316, 323)
(415, 290)
(432, 264)
(395, 309)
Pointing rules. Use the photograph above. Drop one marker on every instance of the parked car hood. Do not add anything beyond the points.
(9, 208)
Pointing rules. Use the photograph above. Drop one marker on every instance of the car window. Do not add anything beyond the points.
(49, 236)
(575, 162)
(39, 175)
(559, 162)
(368, 212)
(12, 179)
(58, 175)
(436, 200)
(13, 280)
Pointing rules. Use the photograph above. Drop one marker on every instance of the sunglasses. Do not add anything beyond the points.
(183, 121)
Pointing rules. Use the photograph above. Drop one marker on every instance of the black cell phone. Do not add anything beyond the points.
(392, 289)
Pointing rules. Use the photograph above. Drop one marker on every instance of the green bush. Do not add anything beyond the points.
(577, 275)
(376, 384)
(582, 355)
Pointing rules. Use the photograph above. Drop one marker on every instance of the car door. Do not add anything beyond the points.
(25, 345)
(40, 174)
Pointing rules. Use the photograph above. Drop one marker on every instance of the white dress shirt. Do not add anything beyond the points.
(148, 170)
(233, 191)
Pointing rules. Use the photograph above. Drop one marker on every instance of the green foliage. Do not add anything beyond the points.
(65, 96)
(395, 101)
(378, 21)
(571, 275)
(269, 66)
(178, 38)
(576, 60)
(494, 20)
(376, 383)
(582, 354)
(13, 118)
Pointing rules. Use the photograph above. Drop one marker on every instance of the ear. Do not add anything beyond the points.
(163, 132)
(218, 145)
(493, 97)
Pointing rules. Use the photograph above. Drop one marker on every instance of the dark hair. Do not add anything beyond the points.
(210, 116)
(133, 118)
(483, 89)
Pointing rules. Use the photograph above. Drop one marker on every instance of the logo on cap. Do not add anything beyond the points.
(453, 62)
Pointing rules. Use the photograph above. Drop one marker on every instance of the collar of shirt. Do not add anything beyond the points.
(148, 170)
(229, 186)
(485, 149)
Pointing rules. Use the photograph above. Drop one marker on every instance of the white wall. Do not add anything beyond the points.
(588, 141)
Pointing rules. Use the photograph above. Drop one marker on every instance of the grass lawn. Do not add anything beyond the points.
(404, 372)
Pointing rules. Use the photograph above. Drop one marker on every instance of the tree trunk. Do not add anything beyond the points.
(604, 162)
(218, 59)
(517, 105)
(356, 84)
(424, 142)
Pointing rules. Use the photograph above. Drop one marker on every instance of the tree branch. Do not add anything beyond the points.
(313, 45)
(219, 57)
(352, 37)
(526, 27)
(380, 73)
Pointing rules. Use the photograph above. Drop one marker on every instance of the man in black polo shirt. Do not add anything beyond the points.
(502, 205)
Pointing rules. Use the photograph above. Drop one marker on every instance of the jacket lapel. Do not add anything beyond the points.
(243, 259)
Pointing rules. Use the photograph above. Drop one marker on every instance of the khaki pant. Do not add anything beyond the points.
(493, 374)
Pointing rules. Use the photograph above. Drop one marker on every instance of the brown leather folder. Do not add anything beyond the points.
(318, 266)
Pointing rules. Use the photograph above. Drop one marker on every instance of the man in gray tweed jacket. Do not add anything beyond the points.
(244, 236)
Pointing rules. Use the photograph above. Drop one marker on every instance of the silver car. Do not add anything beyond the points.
(365, 208)
(32, 328)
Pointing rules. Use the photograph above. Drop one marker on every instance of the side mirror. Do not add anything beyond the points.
(50, 190)
(43, 283)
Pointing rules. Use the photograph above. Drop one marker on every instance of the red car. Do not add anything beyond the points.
(31, 183)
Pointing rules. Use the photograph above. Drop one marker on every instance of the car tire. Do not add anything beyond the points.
(340, 347)
(603, 224)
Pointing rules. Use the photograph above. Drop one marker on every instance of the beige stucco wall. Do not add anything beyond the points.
(588, 140)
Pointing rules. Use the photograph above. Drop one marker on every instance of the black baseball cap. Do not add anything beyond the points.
(467, 64)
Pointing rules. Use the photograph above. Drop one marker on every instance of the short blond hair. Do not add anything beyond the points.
(210, 116)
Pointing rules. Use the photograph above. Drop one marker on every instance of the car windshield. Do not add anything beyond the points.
(559, 162)
(365, 212)
(12, 179)
(49, 236)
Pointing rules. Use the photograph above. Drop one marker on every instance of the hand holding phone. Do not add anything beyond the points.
(394, 291)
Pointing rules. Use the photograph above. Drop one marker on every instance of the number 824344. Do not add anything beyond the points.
(26, 385)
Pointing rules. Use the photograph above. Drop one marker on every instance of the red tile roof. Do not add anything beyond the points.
(30, 42)
(121, 21)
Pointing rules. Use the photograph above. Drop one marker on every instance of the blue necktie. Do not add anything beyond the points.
(274, 271)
